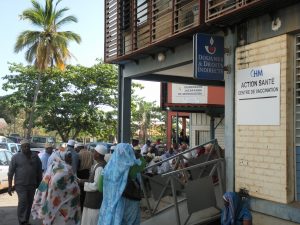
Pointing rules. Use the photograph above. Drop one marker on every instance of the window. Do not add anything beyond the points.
(13, 148)
(125, 14)
(3, 146)
(39, 139)
(9, 156)
(201, 137)
(3, 160)
(142, 11)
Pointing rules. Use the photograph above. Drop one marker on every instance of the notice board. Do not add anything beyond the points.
(257, 94)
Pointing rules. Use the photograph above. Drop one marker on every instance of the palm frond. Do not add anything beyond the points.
(59, 60)
(31, 52)
(49, 13)
(26, 38)
(58, 14)
(66, 20)
(69, 35)
(37, 6)
(35, 17)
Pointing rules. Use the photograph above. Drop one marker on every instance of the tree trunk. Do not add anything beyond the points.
(77, 131)
(35, 97)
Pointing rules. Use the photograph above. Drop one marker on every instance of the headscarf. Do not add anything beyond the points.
(115, 176)
(236, 211)
(57, 194)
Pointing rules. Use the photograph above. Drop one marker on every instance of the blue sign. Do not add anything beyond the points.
(208, 57)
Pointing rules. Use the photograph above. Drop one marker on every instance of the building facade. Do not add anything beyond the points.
(153, 40)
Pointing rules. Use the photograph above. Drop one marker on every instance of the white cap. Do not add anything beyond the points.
(79, 145)
(71, 142)
(113, 147)
(101, 149)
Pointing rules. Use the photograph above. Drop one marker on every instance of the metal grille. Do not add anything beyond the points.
(297, 115)
(111, 28)
(297, 89)
(217, 8)
(201, 136)
(229, 11)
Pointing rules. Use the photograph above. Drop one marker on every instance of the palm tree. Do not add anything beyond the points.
(47, 46)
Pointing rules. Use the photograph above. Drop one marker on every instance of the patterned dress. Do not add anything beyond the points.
(56, 201)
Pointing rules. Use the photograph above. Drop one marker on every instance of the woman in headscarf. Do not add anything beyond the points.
(117, 209)
(56, 201)
(235, 211)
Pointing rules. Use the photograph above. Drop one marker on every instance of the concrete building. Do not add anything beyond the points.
(153, 40)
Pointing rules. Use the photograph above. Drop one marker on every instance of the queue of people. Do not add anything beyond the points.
(75, 186)
(54, 185)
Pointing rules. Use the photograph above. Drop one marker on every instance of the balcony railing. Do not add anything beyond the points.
(132, 26)
(230, 11)
(217, 8)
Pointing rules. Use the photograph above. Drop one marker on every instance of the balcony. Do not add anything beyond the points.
(137, 28)
(227, 12)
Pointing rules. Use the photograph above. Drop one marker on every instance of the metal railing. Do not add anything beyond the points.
(171, 184)
(218, 8)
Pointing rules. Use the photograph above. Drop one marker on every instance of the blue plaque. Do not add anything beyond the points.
(208, 57)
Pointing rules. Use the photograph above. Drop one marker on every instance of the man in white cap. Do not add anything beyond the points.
(75, 156)
(45, 156)
(93, 197)
(78, 147)
(27, 170)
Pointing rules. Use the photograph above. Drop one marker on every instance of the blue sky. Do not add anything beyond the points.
(90, 27)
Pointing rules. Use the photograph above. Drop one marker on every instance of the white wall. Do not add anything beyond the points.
(201, 121)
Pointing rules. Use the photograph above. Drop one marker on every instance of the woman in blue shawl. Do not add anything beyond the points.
(235, 211)
(116, 209)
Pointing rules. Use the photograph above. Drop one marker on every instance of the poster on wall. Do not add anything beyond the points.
(257, 94)
(189, 94)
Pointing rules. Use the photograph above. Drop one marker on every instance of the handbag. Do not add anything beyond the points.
(132, 190)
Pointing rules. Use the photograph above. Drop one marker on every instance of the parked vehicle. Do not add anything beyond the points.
(5, 139)
(40, 141)
(15, 135)
(15, 139)
(19, 147)
(12, 147)
(5, 158)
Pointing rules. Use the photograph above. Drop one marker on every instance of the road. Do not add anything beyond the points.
(8, 210)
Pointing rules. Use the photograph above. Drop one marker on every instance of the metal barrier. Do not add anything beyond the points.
(170, 183)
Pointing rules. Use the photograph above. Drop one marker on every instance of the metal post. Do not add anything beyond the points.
(212, 127)
(125, 113)
(177, 128)
(120, 99)
(230, 42)
(145, 194)
(175, 201)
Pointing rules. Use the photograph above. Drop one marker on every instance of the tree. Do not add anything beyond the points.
(48, 46)
(144, 114)
(6, 112)
(71, 101)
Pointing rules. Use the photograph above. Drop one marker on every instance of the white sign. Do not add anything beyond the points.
(257, 94)
(189, 94)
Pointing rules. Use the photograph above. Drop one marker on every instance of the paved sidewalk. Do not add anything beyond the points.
(8, 210)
